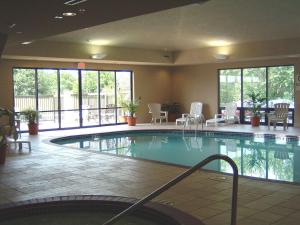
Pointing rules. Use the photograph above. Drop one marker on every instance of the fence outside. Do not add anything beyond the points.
(49, 103)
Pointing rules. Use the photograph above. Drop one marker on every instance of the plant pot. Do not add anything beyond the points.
(131, 121)
(255, 120)
(3, 150)
(33, 128)
(123, 119)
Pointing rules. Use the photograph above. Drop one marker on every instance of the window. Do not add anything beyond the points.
(71, 98)
(47, 98)
(275, 83)
(90, 97)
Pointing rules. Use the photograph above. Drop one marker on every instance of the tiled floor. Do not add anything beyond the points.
(51, 170)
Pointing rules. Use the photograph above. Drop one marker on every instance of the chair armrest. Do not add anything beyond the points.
(218, 116)
(184, 115)
(164, 112)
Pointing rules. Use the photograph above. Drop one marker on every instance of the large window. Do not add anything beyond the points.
(69, 98)
(275, 83)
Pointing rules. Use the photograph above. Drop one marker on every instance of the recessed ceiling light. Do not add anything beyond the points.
(217, 43)
(26, 42)
(74, 2)
(98, 56)
(69, 14)
(81, 11)
(12, 25)
(58, 17)
(19, 32)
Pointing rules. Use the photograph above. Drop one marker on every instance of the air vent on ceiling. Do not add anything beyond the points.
(74, 2)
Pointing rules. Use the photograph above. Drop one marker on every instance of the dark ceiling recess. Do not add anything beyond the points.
(3, 38)
(74, 2)
(35, 18)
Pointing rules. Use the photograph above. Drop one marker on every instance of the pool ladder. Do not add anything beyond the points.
(198, 120)
(179, 178)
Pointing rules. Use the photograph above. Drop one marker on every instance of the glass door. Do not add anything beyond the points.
(69, 98)
(90, 97)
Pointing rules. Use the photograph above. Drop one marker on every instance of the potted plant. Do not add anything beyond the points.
(131, 107)
(31, 116)
(255, 102)
(3, 145)
(4, 132)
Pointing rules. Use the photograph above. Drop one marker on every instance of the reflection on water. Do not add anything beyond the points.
(255, 156)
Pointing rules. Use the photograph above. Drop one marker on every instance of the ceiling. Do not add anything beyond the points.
(34, 19)
(194, 26)
(145, 31)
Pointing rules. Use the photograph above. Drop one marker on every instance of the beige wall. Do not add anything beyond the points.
(199, 83)
(182, 84)
(151, 83)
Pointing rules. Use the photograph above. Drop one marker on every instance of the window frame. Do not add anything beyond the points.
(80, 96)
(266, 109)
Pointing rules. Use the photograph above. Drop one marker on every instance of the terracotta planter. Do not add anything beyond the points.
(3, 150)
(123, 119)
(255, 120)
(33, 128)
(131, 121)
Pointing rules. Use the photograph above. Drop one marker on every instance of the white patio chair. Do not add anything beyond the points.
(195, 114)
(228, 116)
(157, 114)
(279, 115)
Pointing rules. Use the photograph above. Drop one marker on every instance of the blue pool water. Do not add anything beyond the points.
(260, 156)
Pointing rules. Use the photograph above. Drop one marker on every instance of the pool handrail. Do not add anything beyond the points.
(179, 178)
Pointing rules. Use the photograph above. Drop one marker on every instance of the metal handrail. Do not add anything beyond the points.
(180, 178)
(198, 120)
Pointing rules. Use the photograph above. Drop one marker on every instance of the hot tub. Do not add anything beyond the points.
(89, 210)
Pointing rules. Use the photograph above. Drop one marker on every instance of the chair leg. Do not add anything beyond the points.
(284, 125)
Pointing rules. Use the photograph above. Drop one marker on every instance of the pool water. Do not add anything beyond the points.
(260, 156)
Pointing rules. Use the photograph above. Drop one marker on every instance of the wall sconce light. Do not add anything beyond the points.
(98, 56)
(220, 56)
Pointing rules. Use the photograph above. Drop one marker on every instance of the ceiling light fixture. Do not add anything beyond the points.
(26, 42)
(99, 42)
(74, 2)
(69, 14)
(218, 43)
(98, 56)
(220, 56)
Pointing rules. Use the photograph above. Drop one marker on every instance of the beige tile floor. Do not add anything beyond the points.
(54, 170)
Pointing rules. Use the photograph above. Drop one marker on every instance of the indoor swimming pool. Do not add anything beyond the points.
(262, 156)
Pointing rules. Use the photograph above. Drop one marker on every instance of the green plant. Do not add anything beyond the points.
(5, 129)
(131, 107)
(30, 115)
(3, 140)
(257, 159)
(256, 102)
(171, 107)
